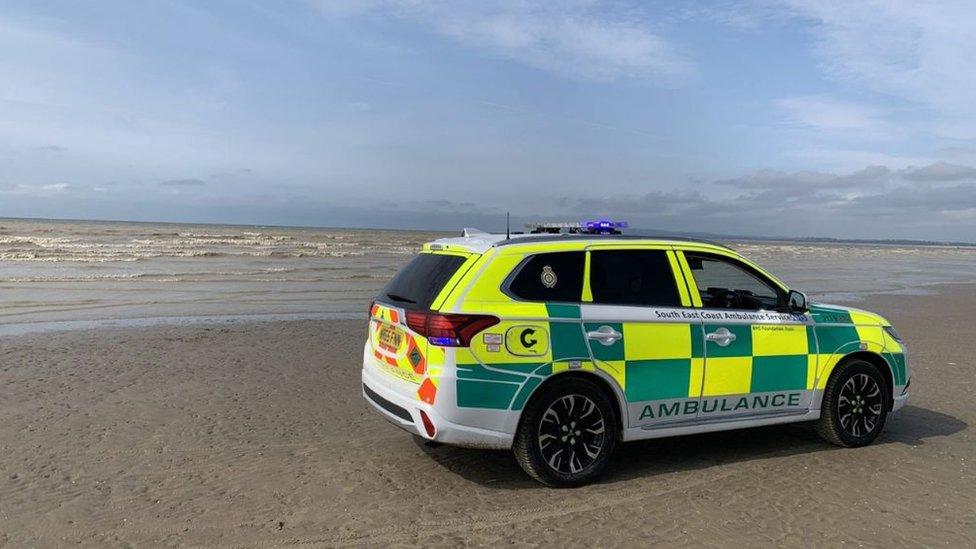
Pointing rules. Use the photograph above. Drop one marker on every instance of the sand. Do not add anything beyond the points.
(256, 435)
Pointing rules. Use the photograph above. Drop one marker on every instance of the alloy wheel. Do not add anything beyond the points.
(859, 405)
(571, 434)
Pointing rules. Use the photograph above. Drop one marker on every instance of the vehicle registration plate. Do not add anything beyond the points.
(390, 337)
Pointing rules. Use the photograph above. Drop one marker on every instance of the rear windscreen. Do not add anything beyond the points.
(417, 284)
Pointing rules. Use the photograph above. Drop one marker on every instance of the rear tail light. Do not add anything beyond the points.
(448, 330)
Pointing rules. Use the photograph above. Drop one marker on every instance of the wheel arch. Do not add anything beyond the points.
(607, 384)
(879, 362)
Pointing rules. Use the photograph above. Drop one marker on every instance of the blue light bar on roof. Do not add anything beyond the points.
(601, 226)
(604, 226)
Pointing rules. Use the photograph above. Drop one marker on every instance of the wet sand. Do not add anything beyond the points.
(256, 435)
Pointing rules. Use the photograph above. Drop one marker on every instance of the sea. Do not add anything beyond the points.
(57, 274)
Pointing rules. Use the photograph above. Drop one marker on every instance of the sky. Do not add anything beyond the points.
(768, 117)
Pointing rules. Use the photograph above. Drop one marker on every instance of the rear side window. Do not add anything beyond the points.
(417, 284)
(633, 277)
(556, 276)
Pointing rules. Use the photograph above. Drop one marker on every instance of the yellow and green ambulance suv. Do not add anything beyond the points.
(561, 346)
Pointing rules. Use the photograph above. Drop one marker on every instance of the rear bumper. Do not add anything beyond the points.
(396, 401)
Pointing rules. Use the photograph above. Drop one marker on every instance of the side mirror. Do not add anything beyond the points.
(797, 302)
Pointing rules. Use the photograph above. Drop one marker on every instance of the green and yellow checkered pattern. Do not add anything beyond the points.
(664, 361)
(667, 361)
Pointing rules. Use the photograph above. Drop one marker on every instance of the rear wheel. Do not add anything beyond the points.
(567, 433)
(855, 405)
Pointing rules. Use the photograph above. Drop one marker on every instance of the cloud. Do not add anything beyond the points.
(921, 201)
(47, 189)
(788, 186)
(828, 156)
(939, 171)
(957, 152)
(183, 183)
(917, 51)
(826, 114)
(669, 202)
(876, 202)
(865, 180)
(774, 179)
(578, 39)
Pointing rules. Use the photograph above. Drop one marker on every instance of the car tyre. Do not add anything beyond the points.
(855, 405)
(567, 433)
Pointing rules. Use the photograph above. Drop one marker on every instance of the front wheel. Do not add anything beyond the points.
(567, 433)
(855, 405)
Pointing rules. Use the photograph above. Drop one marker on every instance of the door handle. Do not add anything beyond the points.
(722, 337)
(605, 335)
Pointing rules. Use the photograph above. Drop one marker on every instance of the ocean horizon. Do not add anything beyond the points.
(519, 228)
(63, 274)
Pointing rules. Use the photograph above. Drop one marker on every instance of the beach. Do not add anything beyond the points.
(255, 434)
(221, 426)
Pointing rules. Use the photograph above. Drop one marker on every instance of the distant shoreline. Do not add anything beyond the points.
(635, 231)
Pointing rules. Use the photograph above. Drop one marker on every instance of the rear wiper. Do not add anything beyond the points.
(400, 298)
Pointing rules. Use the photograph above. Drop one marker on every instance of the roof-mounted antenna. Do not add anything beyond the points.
(508, 230)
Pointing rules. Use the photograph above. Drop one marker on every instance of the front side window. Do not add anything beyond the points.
(725, 284)
(633, 277)
(556, 276)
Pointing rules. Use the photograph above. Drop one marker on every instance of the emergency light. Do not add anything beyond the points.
(600, 226)
(604, 226)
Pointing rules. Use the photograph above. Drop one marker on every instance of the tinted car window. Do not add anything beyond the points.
(555, 276)
(419, 282)
(633, 277)
(724, 284)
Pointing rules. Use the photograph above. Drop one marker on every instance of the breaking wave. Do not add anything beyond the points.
(117, 247)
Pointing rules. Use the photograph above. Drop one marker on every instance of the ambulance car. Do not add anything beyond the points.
(561, 345)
